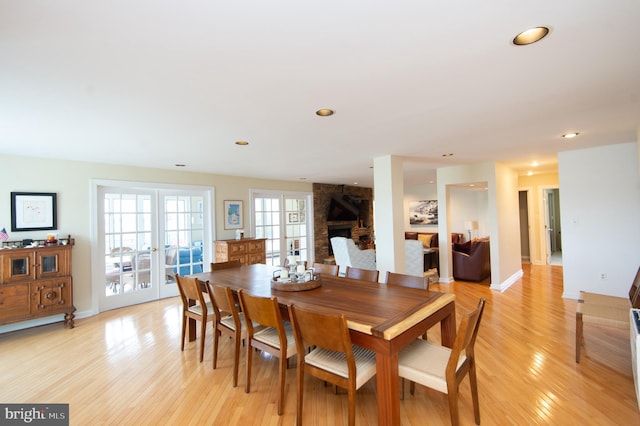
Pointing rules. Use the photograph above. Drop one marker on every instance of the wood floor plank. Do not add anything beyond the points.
(125, 367)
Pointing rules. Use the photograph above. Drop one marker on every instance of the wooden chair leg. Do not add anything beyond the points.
(216, 338)
(247, 386)
(473, 382)
(352, 405)
(300, 377)
(184, 332)
(203, 333)
(578, 335)
(283, 373)
(453, 403)
(236, 359)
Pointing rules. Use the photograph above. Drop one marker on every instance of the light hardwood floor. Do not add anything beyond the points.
(125, 367)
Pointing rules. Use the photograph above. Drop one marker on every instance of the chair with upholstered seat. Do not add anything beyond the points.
(405, 280)
(231, 325)
(335, 359)
(235, 263)
(276, 338)
(414, 257)
(610, 311)
(347, 254)
(443, 368)
(191, 292)
(362, 274)
(326, 269)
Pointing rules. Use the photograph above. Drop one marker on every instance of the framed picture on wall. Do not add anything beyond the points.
(232, 214)
(423, 212)
(33, 211)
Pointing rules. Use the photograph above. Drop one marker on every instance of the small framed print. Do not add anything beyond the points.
(233, 214)
(294, 218)
(33, 211)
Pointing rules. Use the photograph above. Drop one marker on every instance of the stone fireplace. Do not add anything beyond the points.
(337, 231)
(359, 229)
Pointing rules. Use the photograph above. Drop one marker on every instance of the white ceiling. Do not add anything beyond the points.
(155, 83)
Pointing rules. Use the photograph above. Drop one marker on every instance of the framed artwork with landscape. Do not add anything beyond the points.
(423, 212)
(232, 214)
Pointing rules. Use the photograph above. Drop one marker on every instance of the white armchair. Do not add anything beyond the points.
(414, 257)
(347, 254)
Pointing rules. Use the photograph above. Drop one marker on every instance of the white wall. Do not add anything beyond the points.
(469, 204)
(71, 181)
(600, 211)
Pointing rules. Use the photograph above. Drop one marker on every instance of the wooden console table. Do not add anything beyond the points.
(36, 282)
(247, 250)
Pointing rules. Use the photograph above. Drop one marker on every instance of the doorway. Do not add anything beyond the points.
(284, 220)
(525, 228)
(145, 235)
(553, 228)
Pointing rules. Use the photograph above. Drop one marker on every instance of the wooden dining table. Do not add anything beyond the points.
(381, 318)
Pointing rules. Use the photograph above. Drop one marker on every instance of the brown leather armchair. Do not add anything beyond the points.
(474, 266)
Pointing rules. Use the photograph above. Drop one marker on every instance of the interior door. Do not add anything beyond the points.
(183, 234)
(283, 219)
(127, 236)
(146, 236)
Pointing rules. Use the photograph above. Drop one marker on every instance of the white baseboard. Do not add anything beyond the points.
(59, 318)
(508, 282)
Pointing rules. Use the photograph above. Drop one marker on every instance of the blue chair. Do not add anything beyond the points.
(187, 259)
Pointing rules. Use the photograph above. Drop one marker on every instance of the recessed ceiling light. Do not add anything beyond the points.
(242, 143)
(324, 112)
(570, 135)
(529, 173)
(355, 183)
(534, 164)
(530, 36)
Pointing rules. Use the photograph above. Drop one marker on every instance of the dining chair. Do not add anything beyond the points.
(235, 263)
(443, 368)
(410, 281)
(335, 359)
(194, 306)
(232, 325)
(326, 269)
(276, 338)
(362, 274)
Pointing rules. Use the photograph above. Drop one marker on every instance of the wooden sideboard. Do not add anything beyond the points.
(36, 282)
(247, 250)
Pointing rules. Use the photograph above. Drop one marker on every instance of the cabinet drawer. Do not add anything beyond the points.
(237, 249)
(241, 257)
(256, 258)
(48, 295)
(256, 246)
(14, 301)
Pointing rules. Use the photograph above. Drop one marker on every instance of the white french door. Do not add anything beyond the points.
(285, 220)
(146, 236)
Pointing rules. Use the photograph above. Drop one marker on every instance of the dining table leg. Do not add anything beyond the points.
(388, 389)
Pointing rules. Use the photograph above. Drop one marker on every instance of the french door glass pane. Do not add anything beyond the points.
(282, 220)
(127, 238)
(183, 235)
(267, 219)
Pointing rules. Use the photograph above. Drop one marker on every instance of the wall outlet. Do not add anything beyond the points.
(603, 276)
